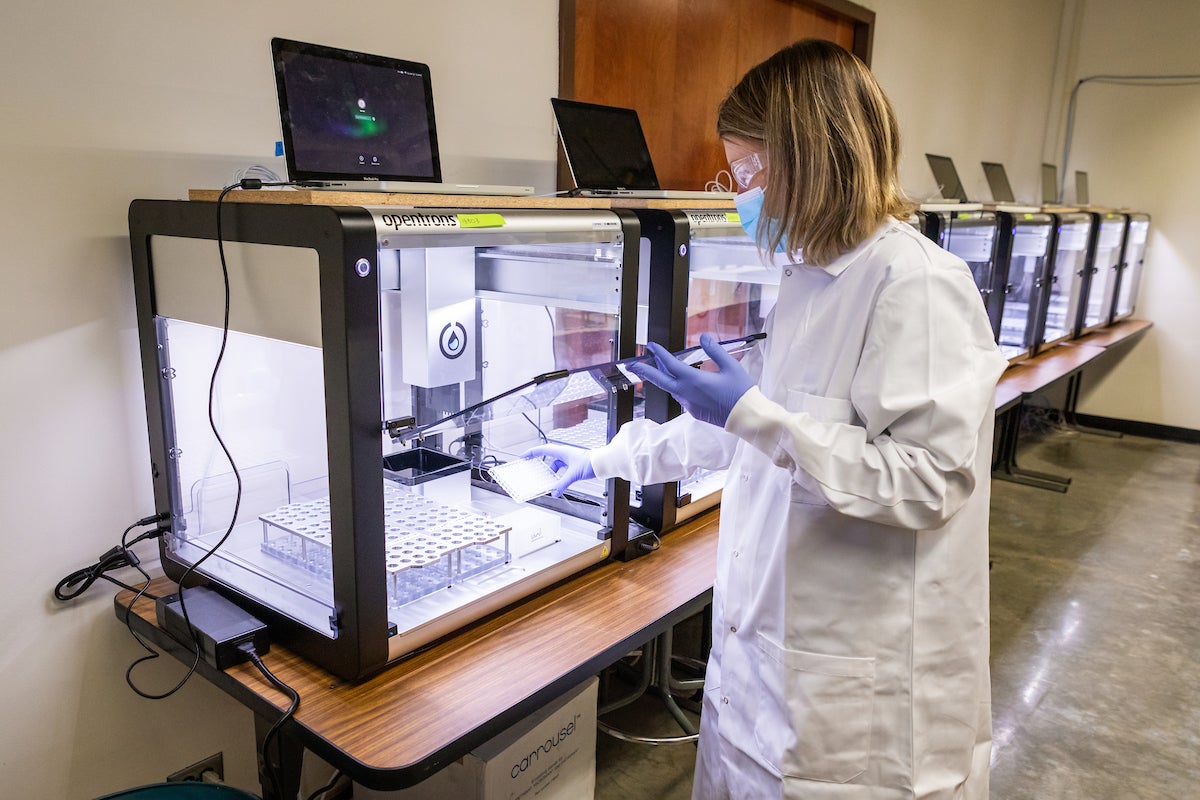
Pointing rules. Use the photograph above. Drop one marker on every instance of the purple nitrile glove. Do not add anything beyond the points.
(707, 396)
(569, 463)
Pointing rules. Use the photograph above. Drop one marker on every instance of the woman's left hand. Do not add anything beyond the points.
(707, 396)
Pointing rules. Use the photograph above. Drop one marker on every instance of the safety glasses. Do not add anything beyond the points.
(745, 168)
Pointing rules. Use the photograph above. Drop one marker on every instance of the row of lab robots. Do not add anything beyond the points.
(383, 372)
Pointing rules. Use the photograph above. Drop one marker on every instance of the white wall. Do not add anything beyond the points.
(1139, 148)
(969, 80)
(103, 103)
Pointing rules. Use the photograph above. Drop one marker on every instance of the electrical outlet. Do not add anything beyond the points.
(211, 769)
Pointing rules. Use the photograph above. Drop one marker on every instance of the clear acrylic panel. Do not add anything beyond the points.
(972, 237)
(1135, 254)
(1069, 261)
(730, 294)
(485, 354)
(268, 404)
(1104, 270)
(1030, 249)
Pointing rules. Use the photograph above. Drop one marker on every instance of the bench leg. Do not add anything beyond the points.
(1005, 465)
(1073, 384)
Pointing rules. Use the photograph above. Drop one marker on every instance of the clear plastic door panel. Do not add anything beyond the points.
(730, 294)
(267, 402)
(1026, 276)
(1066, 283)
(1135, 256)
(1105, 265)
(972, 237)
(486, 327)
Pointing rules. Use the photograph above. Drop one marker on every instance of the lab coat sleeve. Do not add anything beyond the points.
(647, 452)
(924, 384)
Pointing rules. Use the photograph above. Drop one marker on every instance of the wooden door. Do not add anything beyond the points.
(674, 60)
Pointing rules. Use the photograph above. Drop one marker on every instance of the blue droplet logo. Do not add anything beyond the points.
(453, 340)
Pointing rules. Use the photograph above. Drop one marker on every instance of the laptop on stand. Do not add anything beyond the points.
(1050, 185)
(946, 175)
(1081, 189)
(607, 154)
(358, 122)
(997, 179)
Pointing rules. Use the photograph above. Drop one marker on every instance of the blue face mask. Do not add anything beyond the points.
(749, 207)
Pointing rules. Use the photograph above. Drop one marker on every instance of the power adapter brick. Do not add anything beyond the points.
(221, 626)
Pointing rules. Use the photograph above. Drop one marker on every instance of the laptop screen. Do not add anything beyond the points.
(947, 177)
(604, 145)
(1081, 188)
(353, 116)
(1049, 184)
(997, 179)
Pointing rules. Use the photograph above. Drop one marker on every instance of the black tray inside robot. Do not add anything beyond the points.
(421, 464)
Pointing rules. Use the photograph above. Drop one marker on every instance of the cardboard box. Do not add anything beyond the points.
(549, 755)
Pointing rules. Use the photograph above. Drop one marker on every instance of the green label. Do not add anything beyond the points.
(733, 216)
(480, 221)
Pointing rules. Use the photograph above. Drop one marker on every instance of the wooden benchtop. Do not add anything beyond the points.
(670, 205)
(1064, 358)
(423, 712)
(1045, 368)
(319, 197)
(1007, 394)
(335, 198)
(1114, 334)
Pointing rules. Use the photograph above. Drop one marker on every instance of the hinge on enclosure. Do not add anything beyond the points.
(395, 427)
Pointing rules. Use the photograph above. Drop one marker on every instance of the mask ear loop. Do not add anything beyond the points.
(723, 182)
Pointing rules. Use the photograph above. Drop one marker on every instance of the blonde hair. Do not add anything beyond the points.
(832, 146)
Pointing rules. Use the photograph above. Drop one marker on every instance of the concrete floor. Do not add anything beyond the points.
(1095, 634)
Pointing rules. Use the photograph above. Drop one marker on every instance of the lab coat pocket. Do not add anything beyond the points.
(805, 489)
(814, 716)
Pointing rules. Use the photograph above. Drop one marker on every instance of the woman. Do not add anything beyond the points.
(850, 609)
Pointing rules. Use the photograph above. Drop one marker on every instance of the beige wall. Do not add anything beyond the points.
(1138, 146)
(139, 98)
(971, 81)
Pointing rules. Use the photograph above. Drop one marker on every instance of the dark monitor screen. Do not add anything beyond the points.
(997, 179)
(353, 116)
(1049, 184)
(604, 145)
(947, 177)
(1081, 188)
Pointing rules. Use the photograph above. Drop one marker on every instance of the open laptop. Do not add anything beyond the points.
(353, 121)
(1081, 189)
(946, 175)
(1049, 185)
(607, 154)
(997, 179)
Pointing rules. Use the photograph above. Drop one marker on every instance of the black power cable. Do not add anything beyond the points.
(116, 558)
(272, 767)
(244, 183)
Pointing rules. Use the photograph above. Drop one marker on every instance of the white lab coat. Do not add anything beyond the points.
(850, 610)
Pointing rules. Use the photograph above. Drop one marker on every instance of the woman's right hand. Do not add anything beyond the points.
(569, 463)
